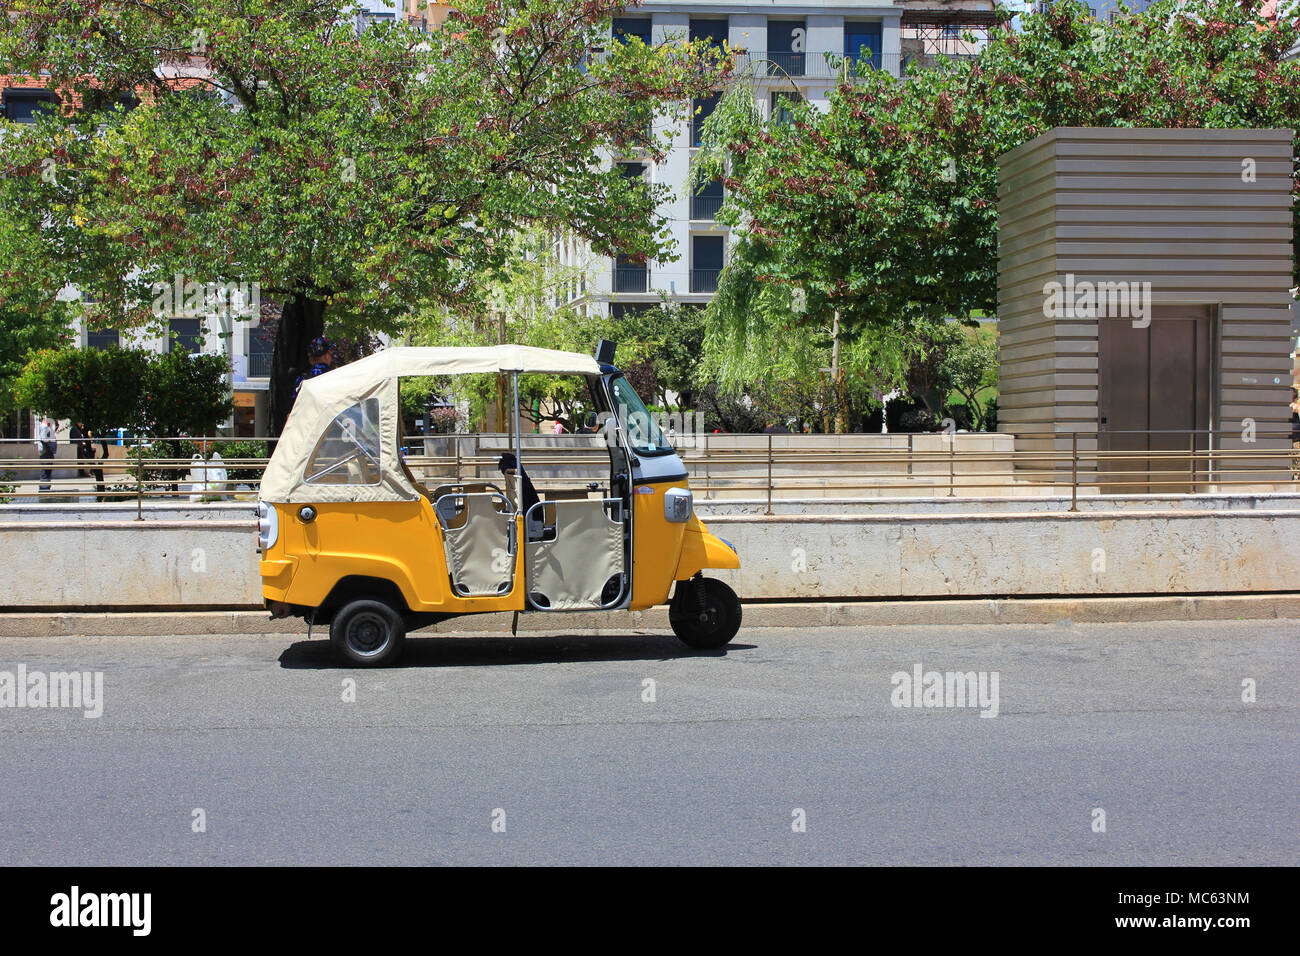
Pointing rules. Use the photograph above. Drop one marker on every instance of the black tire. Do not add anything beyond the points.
(704, 613)
(368, 633)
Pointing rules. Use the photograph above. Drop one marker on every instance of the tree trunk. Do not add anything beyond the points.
(301, 320)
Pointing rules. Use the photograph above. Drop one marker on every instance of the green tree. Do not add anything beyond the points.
(160, 395)
(353, 175)
(527, 303)
(881, 211)
(971, 368)
(101, 388)
(32, 316)
(672, 340)
(956, 361)
(184, 394)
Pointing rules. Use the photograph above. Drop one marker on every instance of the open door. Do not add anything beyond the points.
(577, 537)
(577, 561)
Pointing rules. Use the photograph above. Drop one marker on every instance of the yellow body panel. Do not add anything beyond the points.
(665, 551)
(399, 542)
(656, 543)
(402, 542)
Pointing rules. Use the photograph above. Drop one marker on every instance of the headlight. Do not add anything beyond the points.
(677, 504)
(268, 526)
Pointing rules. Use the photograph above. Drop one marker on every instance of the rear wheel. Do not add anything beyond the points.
(368, 633)
(704, 612)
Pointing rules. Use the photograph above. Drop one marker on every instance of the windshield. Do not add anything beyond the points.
(643, 433)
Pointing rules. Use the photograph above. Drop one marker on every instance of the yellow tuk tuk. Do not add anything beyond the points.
(349, 536)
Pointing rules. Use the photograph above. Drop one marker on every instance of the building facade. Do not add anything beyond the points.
(792, 51)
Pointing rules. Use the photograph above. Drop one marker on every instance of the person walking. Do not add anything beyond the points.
(46, 441)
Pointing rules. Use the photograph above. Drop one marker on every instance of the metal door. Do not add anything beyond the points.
(1154, 397)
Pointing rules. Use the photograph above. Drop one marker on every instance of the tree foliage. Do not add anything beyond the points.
(352, 174)
(185, 394)
(33, 316)
(101, 388)
(883, 208)
(160, 395)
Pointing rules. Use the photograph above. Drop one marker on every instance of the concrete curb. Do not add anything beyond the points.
(936, 613)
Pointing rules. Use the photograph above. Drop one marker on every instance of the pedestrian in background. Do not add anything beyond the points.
(85, 447)
(86, 440)
(46, 441)
(321, 351)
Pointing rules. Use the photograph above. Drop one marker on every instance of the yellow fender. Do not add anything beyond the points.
(701, 550)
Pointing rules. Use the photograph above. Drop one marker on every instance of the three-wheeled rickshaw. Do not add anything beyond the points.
(349, 536)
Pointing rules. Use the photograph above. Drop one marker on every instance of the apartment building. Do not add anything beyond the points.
(793, 51)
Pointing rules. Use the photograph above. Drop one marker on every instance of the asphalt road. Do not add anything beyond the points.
(1145, 722)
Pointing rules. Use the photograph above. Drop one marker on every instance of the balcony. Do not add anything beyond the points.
(777, 65)
(705, 207)
(259, 365)
(631, 278)
(705, 280)
(791, 64)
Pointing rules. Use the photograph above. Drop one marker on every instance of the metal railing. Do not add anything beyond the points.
(705, 207)
(259, 365)
(705, 280)
(779, 64)
(742, 466)
(631, 278)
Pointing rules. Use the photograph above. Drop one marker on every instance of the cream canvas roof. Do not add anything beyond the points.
(322, 398)
(397, 362)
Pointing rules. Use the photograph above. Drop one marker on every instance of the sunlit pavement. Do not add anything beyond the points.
(631, 749)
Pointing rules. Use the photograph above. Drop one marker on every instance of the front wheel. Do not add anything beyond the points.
(704, 613)
(368, 633)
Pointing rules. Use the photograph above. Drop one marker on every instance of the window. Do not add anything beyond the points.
(783, 103)
(348, 452)
(860, 34)
(261, 346)
(21, 106)
(105, 101)
(704, 107)
(630, 276)
(632, 170)
(786, 45)
(707, 200)
(627, 310)
(184, 334)
(102, 339)
(627, 27)
(713, 32)
(706, 263)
